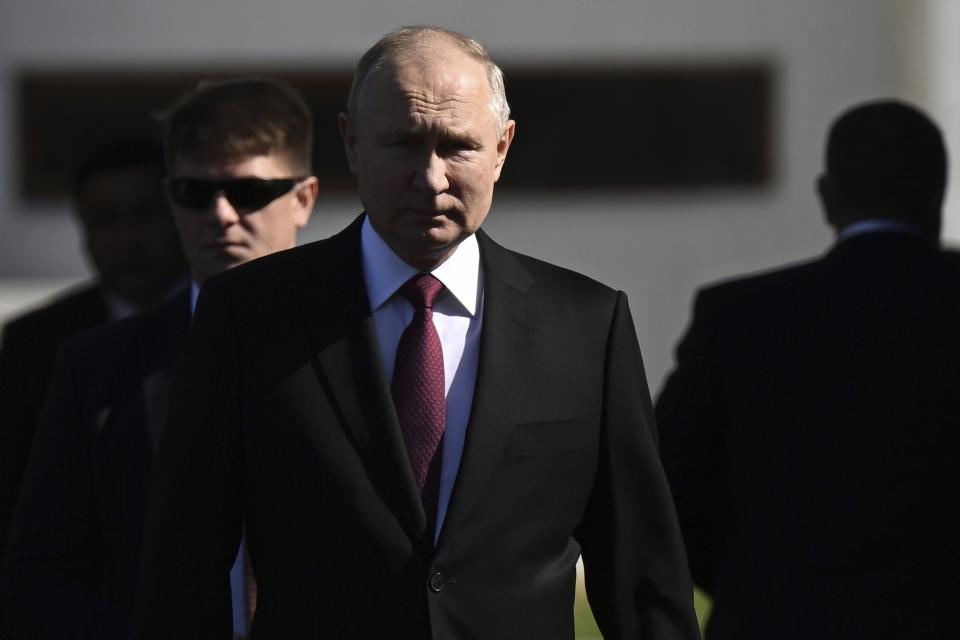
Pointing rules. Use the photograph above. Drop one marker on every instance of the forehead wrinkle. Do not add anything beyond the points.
(446, 98)
(443, 123)
(423, 105)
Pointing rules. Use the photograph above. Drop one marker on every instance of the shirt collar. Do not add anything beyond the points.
(194, 294)
(875, 225)
(119, 307)
(384, 272)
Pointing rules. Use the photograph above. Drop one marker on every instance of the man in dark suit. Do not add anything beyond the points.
(421, 429)
(810, 429)
(239, 154)
(132, 245)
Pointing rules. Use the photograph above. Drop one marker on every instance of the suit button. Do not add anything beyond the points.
(437, 583)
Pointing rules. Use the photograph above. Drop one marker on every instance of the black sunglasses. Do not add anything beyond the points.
(245, 194)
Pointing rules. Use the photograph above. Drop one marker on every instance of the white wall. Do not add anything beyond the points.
(829, 53)
(930, 51)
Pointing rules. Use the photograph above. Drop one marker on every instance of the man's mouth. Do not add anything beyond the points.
(223, 246)
(428, 212)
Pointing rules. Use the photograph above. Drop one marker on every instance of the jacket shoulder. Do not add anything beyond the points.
(762, 285)
(951, 258)
(109, 346)
(274, 273)
(528, 272)
(59, 314)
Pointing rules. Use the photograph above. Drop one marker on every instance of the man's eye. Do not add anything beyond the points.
(456, 146)
(400, 143)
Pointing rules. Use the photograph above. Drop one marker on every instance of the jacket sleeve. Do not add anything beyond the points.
(193, 521)
(22, 390)
(51, 570)
(637, 579)
(689, 414)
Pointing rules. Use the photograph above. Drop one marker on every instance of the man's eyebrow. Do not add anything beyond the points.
(450, 135)
(400, 132)
(465, 135)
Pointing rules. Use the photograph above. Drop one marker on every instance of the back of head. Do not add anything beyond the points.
(886, 160)
(241, 118)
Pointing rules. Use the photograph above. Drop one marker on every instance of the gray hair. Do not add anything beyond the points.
(405, 39)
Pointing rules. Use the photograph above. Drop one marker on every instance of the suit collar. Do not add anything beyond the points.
(506, 362)
(879, 244)
(167, 325)
(503, 264)
(163, 333)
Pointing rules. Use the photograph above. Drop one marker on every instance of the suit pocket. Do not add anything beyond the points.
(554, 435)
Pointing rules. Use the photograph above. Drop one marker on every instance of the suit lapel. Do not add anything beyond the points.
(349, 362)
(506, 359)
(155, 389)
(358, 386)
(170, 323)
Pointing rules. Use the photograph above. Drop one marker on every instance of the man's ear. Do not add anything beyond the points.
(503, 145)
(827, 200)
(306, 195)
(349, 135)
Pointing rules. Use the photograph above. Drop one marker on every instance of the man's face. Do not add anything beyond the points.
(426, 150)
(221, 233)
(129, 233)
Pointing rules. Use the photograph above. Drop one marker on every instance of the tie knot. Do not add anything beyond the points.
(421, 290)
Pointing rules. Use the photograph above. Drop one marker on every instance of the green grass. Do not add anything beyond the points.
(586, 626)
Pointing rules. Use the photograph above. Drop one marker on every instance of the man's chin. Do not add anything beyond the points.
(438, 237)
(222, 262)
(231, 254)
(430, 249)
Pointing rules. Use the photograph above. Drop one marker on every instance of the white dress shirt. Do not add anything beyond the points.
(457, 316)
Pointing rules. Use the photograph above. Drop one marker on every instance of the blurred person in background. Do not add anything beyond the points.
(240, 185)
(132, 245)
(421, 429)
(811, 428)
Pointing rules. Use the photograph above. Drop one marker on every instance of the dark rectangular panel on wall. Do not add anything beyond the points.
(64, 114)
(642, 127)
(669, 127)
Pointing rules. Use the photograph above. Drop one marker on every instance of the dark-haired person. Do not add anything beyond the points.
(240, 185)
(132, 245)
(420, 429)
(811, 429)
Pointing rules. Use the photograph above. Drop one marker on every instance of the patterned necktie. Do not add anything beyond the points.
(418, 391)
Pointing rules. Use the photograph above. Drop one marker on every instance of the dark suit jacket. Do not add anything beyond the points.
(73, 559)
(281, 414)
(811, 432)
(28, 352)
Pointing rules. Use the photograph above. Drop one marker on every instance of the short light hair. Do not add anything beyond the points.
(232, 119)
(405, 39)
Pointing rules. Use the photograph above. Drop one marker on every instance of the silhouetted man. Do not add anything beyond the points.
(421, 429)
(239, 156)
(811, 429)
(133, 247)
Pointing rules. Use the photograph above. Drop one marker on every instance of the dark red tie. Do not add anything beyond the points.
(418, 391)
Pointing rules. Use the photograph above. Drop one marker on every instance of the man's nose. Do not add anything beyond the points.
(431, 176)
(223, 211)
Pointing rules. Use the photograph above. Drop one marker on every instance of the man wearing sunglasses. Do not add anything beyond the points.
(421, 429)
(239, 160)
